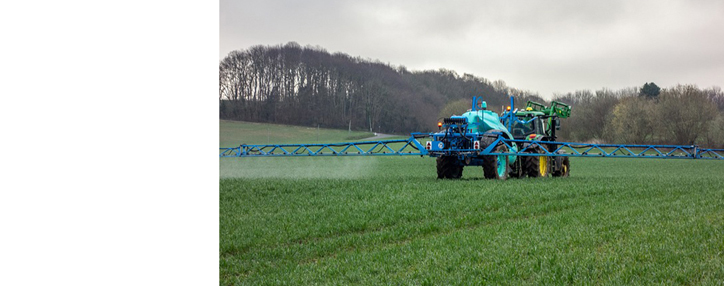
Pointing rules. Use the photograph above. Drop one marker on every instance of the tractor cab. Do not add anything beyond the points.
(536, 121)
(528, 123)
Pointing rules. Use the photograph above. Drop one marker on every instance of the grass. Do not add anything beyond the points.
(387, 220)
(234, 133)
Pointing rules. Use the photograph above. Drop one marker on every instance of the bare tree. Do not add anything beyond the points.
(714, 137)
(631, 121)
(716, 96)
(683, 114)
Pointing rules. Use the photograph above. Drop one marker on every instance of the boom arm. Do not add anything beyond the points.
(557, 108)
(412, 146)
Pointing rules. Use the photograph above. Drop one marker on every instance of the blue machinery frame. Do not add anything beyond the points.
(411, 147)
(364, 148)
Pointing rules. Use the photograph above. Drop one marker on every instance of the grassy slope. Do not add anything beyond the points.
(388, 220)
(234, 133)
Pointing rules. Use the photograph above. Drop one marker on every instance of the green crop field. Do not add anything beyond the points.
(235, 133)
(388, 220)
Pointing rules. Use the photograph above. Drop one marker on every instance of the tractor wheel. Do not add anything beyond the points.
(530, 166)
(536, 166)
(517, 170)
(447, 168)
(496, 167)
(443, 167)
(565, 168)
(543, 166)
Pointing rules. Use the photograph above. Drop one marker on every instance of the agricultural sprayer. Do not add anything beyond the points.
(516, 143)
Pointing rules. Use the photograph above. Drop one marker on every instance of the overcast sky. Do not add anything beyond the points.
(540, 46)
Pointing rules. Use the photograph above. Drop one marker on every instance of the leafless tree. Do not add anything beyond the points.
(683, 114)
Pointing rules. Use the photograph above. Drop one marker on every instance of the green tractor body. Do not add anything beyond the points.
(537, 122)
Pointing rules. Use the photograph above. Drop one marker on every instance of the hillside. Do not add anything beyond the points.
(234, 133)
(308, 86)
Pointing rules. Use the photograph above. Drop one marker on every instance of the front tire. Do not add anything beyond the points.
(517, 170)
(565, 169)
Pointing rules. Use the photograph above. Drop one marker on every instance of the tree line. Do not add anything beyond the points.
(682, 114)
(308, 86)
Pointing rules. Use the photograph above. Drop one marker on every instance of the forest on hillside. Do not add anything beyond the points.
(308, 86)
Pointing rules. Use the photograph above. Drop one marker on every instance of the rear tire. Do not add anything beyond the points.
(496, 167)
(530, 166)
(536, 166)
(544, 166)
(448, 168)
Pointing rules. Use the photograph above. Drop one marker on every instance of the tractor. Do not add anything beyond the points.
(463, 139)
(536, 122)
